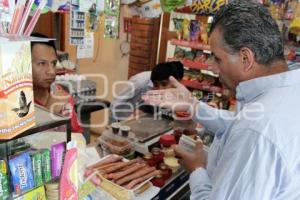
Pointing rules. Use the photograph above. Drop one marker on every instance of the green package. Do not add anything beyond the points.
(4, 190)
(46, 165)
(36, 160)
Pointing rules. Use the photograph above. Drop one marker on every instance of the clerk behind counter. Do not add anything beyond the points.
(128, 101)
(46, 92)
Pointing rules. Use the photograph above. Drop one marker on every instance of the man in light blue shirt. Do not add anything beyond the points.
(255, 154)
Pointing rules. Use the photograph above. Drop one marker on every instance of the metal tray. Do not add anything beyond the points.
(147, 127)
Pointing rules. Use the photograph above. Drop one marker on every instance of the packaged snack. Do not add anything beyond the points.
(69, 177)
(194, 30)
(4, 189)
(21, 173)
(178, 27)
(46, 165)
(186, 29)
(36, 194)
(114, 144)
(57, 155)
(36, 160)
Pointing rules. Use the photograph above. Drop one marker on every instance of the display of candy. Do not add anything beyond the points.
(179, 53)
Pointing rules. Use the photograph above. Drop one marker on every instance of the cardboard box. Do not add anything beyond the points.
(16, 90)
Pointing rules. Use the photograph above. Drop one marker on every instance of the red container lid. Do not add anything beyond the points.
(182, 114)
(167, 140)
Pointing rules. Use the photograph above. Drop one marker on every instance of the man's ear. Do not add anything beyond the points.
(247, 57)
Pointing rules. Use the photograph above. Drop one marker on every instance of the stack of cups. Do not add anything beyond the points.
(116, 127)
(52, 190)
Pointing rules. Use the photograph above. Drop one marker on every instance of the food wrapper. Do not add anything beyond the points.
(36, 194)
(57, 155)
(4, 189)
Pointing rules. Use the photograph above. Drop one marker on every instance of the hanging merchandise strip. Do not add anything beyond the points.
(77, 27)
(112, 19)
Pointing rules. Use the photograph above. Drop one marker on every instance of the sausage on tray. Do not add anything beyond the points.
(121, 174)
(134, 182)
(138, 174)
(119, 166)
(107, 165)
(108, 159)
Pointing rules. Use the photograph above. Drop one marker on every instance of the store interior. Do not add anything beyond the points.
(101, 47)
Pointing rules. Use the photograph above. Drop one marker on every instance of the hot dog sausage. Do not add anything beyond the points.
(138, 174)
(108, 159)
(119, 166)
(133, 168)
(134, 182)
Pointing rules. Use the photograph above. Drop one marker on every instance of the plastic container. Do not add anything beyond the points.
(148, 157)
(158, 181)
(166, 172)
(167, 141)
(115, 144)
(172, 163)
(115, 127)
(184, 121)
(158, 155)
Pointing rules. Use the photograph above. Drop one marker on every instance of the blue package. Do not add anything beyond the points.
(21, 173)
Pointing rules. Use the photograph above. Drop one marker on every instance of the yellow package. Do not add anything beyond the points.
(36, 194)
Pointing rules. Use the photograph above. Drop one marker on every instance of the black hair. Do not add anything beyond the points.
(247, 24)
(49, 43)
(163, 71)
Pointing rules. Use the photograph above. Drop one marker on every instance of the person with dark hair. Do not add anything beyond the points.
(129, 99)
(255, 153)
(46, 93)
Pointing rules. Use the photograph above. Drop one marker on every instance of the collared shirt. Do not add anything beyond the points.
(130, 97)
(255, 154)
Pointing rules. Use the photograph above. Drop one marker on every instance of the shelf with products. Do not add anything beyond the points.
(19, 158)
(191, 44)
(191, 64)
(200, 86)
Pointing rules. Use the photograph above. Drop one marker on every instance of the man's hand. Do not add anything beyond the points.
(176, 99)
(192, 160)
(56, 100)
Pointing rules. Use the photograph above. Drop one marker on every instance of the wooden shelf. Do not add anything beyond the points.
(200, 86)
(193, 45)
